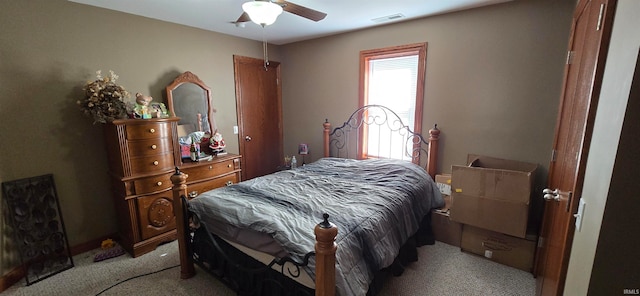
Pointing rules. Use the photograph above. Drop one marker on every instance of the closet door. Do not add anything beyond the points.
(588, 44)
(259, 105)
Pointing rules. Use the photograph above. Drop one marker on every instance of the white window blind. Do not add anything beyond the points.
(393, 84)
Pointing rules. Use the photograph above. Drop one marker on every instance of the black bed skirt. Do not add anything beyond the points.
(247, 276)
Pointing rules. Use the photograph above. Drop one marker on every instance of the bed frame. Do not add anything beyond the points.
(339, 142)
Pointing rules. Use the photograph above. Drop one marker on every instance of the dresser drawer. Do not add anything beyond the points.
(153, 163)
(210, 170)
(195, 189)
(155, 214)
(149, 147)
(148, 131)
(152, 184)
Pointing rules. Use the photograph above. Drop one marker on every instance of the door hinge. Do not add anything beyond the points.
(600, 16)
(540, 242)
(570, 55)
(553, 155)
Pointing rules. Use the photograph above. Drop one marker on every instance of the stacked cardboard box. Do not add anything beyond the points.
(444, 229)
(490, 197)
(443, 181)
(493, 194)
(505, 249)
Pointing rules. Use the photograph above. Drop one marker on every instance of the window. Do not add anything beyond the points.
(393, 77)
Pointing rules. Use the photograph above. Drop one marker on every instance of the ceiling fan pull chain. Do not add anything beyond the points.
(264, 50)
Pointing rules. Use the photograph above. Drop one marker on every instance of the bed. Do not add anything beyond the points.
(368, 216)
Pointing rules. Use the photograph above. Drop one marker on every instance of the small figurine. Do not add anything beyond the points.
(142, 108)
(107, 243)
(161, 110)
(217, 143)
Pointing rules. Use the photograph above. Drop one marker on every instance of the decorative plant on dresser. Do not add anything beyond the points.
(143, 153)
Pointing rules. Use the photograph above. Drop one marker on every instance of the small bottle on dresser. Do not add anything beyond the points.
(193, 150)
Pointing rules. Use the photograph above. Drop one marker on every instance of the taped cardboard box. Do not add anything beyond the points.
(445, 230)
(504, 249)
(493, 194)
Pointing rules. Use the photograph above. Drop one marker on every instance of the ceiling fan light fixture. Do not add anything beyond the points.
(263, 13)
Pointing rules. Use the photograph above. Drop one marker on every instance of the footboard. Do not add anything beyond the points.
(325, 247)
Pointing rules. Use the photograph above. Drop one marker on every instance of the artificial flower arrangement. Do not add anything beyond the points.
(104, 99)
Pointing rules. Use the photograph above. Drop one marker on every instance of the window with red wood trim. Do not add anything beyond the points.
(395, 78)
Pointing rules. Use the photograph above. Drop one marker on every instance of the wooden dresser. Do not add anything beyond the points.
(206, 175)
(143, 154)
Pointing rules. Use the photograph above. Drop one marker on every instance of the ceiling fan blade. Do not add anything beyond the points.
(302, 11)
(243, 18)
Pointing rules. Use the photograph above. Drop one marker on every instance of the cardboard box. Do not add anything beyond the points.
(443, 181)
(445, 230)
(493, 194)
(505, 249)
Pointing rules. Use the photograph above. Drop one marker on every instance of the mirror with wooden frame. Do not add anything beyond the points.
(190, 99)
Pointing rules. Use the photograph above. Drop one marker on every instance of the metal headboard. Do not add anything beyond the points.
(386, 126)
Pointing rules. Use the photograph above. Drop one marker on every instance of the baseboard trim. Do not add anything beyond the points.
(92, 244)
(19, 272)
(12, 277)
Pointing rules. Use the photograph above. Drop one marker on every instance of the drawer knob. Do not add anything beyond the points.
(229, 165)
(155, 162)
(159, 183)
(153, 130)
(210, 167)
(193, 194)
(229, 183)
(154, 147)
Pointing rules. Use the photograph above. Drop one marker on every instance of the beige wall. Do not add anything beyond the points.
(48, 50)
(611, 178)
(493, 81)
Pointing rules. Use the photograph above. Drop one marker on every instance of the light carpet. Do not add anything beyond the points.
(441, 270)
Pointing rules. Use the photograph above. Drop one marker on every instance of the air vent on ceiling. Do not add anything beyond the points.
(387, 18)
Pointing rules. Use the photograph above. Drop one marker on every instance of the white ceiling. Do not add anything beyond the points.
(342, 15)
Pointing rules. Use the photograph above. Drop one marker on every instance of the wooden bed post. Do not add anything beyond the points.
(326, 247)
(327, 129)
(432, 154)
(179, 180)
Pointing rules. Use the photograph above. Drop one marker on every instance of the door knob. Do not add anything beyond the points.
(556, 194)
(549, 191)
(551, 194)
(552, 197)
(247, 138)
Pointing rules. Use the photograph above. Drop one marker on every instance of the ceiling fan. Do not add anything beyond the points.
(287, 6)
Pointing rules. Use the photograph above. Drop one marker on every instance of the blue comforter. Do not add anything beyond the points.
(376, 204)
